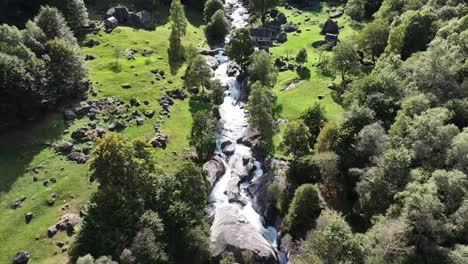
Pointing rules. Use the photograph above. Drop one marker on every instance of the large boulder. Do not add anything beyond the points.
(21, 257)
(282, 37)
(214, 169)
(232, 232)
(212, 61)
(243, 166)
(228, 148)
(139, 19)
(119, 12)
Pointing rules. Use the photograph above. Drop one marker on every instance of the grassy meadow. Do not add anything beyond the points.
(31, 146)
(295, 99)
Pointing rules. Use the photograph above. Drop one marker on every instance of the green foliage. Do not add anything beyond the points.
(371, 143)
(345, 59)
(228, 258)
(362, 9)
(88, 259)
(147, 249)
(198, 73)
(75, 12)
(382, 182)
(373, 38)
(326, 137)
(303, 170)
(178, 19)
(66, 69)
(240, 47)
(332, 242)
(211, 6)
(458, 153)
(217, 28)
(304, 209)
(202, 137)
(217, 92)
(427, 135)
(53, 24)
(260, 105)
(262, 69)
(260, 7)
(296, 139)
(314, 118)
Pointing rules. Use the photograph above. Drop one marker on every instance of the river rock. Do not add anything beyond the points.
(228, 148)
(262, 203)
(212, 61)
(243, 166)
(69, 115)
(232, 232)
(214, 169)
(233, 192)
(249, 138)
(21, 257)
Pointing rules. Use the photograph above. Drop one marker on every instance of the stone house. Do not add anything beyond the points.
(261, 37)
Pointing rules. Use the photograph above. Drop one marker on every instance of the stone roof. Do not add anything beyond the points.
(261, 32)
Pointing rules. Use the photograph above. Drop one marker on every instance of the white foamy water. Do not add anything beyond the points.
(231, 126)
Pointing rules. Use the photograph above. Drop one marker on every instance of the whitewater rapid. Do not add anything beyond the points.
(231, 127)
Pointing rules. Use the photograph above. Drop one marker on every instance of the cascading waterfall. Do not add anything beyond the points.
(231, 127)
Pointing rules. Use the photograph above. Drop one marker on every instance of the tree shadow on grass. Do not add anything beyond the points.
(199, 103)
(19, 146)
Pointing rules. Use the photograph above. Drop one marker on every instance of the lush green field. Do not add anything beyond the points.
(297, 98)
(28, 147)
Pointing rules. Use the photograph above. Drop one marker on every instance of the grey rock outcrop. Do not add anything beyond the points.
(21, 257)
(232, 232)
(214, 169)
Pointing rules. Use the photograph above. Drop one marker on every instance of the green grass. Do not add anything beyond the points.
(295, 100)
(29, 147)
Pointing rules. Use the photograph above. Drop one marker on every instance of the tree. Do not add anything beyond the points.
(34, 38)
(301, 58)
(198, 73)
(458, 152)
(75, 13)
(314, 118)
(147, 249)
(303, 211)
(66, 69)
(260, 106)
(262, 69)
(427, 135)
(202, 137)
(87, 259)
(296, 139)
(52, 23)
(260, 7)
(373, 38)
(371, 143)
(217, 92)
(381, 183)
(178, 19)
(217, 28)
(240, 47)
(117, 55)
(332, 242)
(345, 59)
(326, 137)
(192, 185)
(211, 6)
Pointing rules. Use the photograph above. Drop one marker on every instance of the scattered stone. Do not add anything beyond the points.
(134, 102)
(126, 86)
(51, 201)
(90, 57)
(177, 94)
(45, 183)
(53, 180)
(336, 14)
(149, 113)
(76, 155)
(145, 102)
(159, 141)
(320, 97)
(59, 244)
(116, 126)
(282, 37)
(28, 217)
(21, 257)
(140, 121)
(69, 115)
(290, 27)
(139, 19)
(161, 72)
(35, 178)
(18, 202)
(91, 43)
(147, 52)
(154, 71)
(64, 147)
(51, 231)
